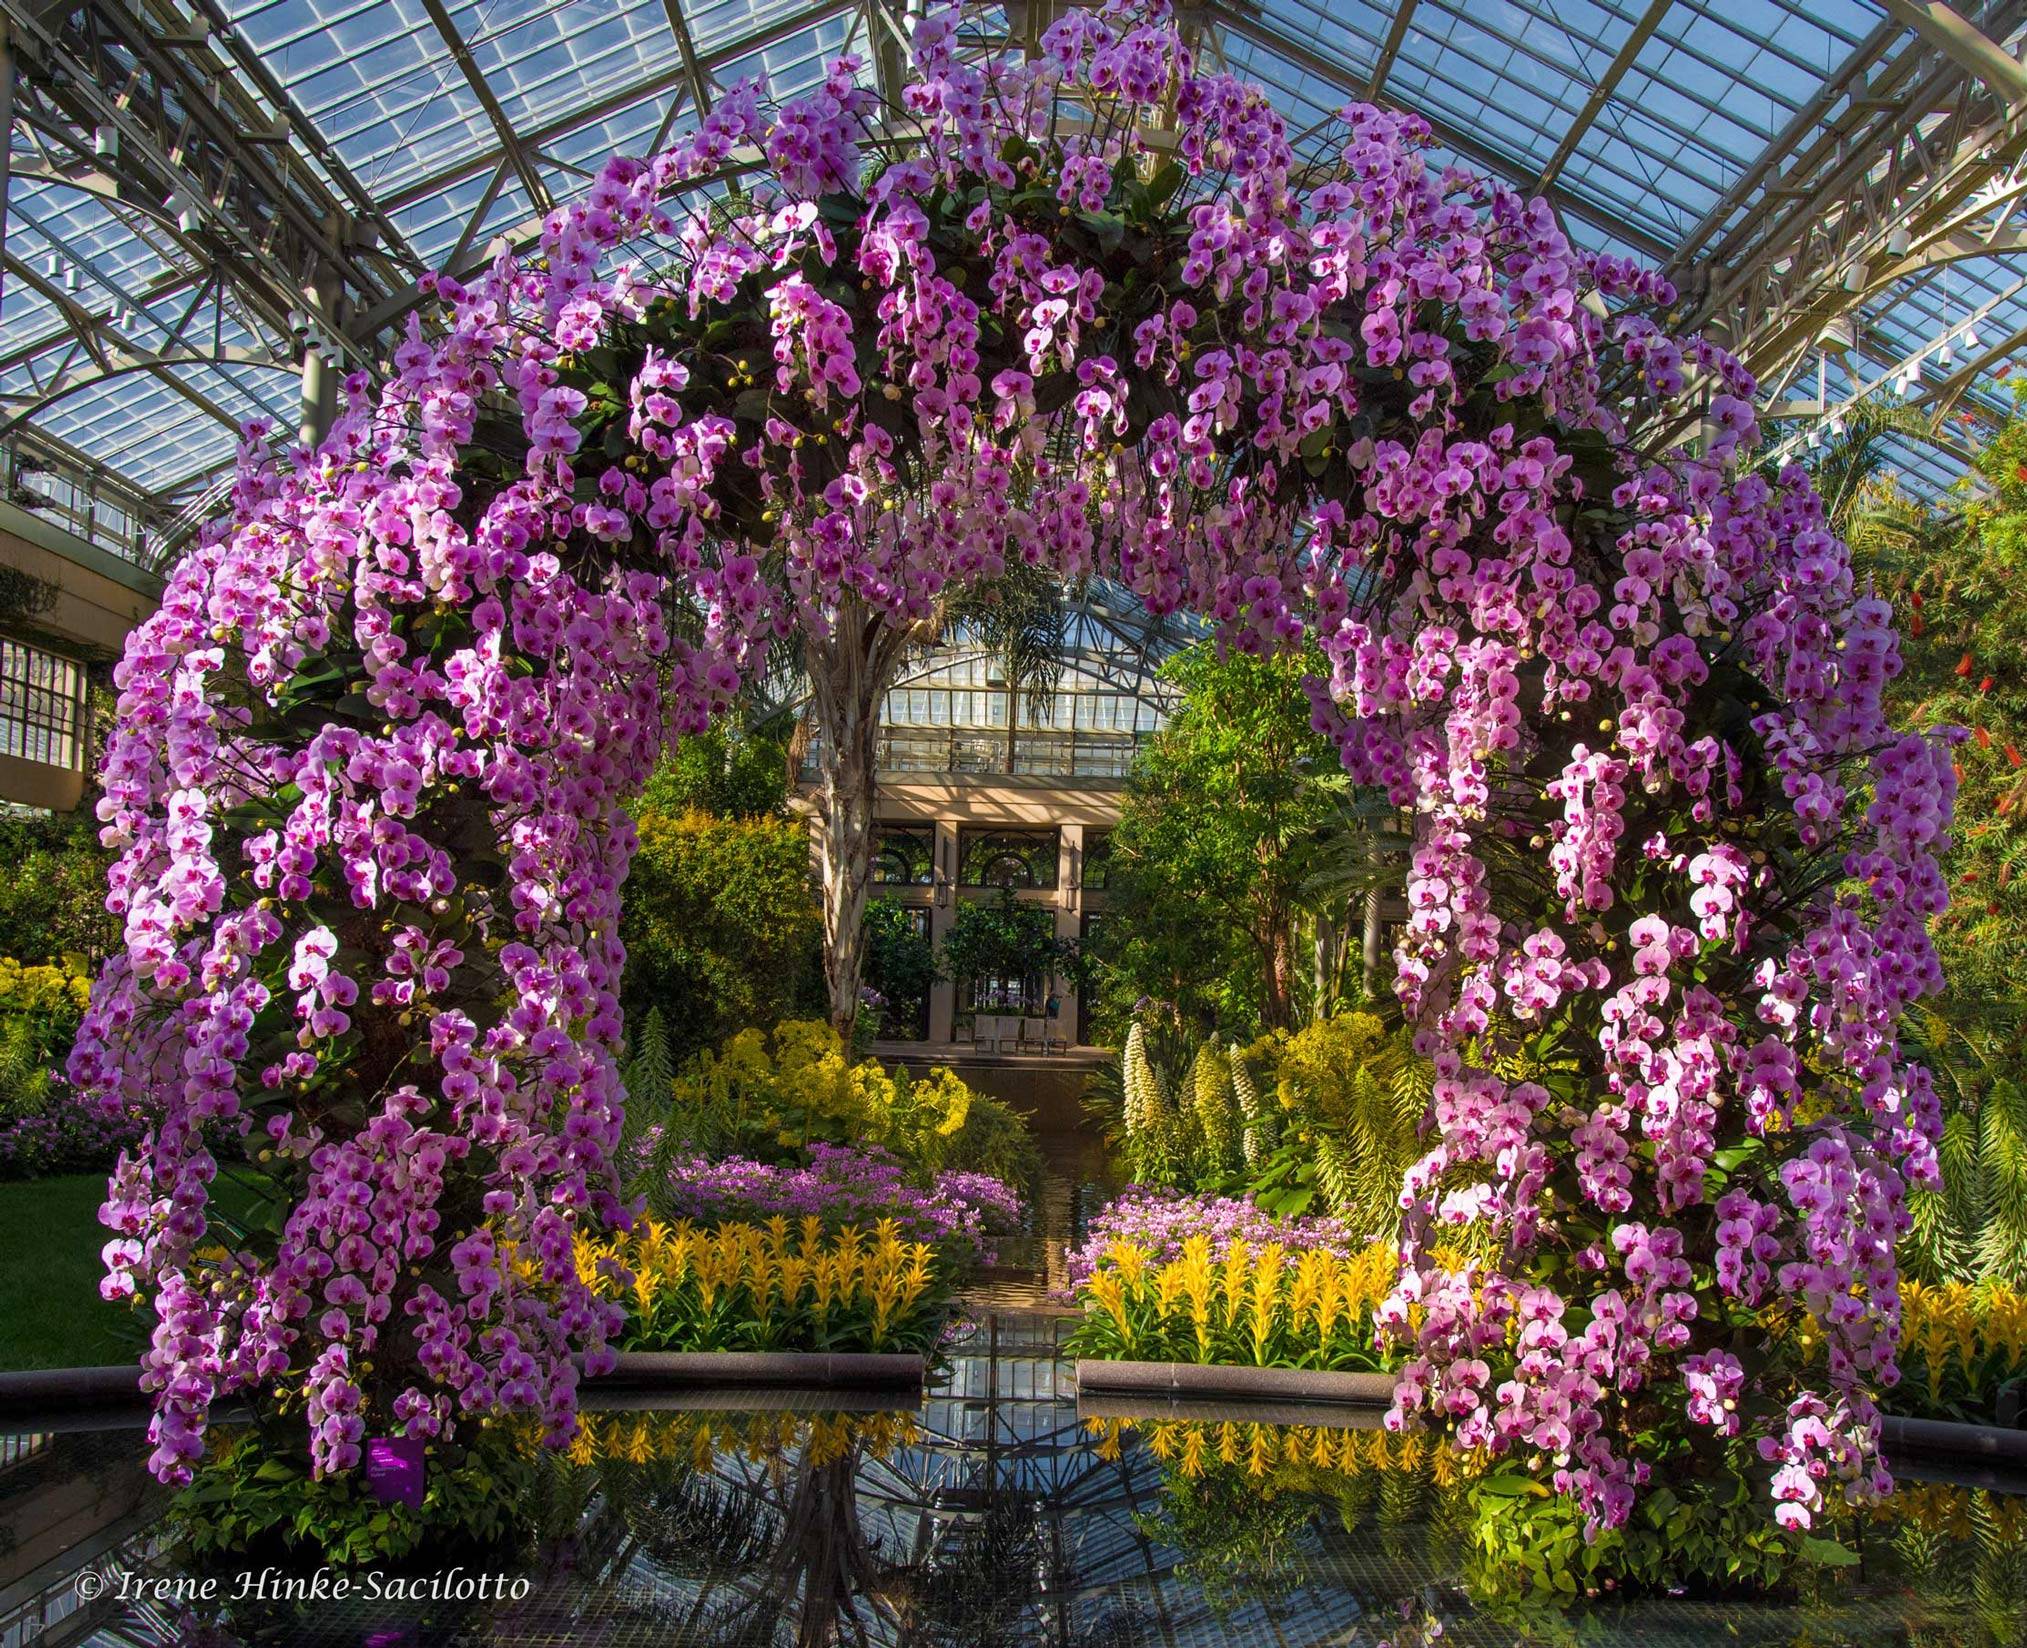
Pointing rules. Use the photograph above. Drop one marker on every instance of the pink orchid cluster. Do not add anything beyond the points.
(373, 753)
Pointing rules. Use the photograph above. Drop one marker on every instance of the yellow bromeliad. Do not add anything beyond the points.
(1192, 1446)
(1962, 1335)
(1960, 1343)
(1259, 1306)
(696, 1440)
(775, 1286)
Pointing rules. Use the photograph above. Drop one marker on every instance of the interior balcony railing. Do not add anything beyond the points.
(77, 499)
(1071, 756)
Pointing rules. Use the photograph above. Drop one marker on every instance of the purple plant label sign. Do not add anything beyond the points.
(394, 1470)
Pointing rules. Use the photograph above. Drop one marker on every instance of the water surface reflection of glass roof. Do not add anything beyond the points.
(1795, 162)
(995, 1509)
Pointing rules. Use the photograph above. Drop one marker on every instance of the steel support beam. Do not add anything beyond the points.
(686, 48)
(6, 125)
(1913, 151)
(1975, 52)
(319, 385)
(249, 63)
(1601, 93)
(1805, 123)
(212, 105)
(782, 28)
(510, 141)
(1390, 49)
(113, 356)
(188, 162)
(1310, 61)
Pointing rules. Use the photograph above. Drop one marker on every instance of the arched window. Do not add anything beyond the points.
(904, 858)
(1006, 858)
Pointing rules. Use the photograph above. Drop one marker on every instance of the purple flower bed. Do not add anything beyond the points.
(65, 1137)
(843, 1186)
(1162, 1220)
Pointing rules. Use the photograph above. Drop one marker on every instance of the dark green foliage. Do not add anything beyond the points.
(996, 1141)
(2002, 1168)
(1975, 1226)
(721, 773)
(1961, 1553)
(254, 1496)
(1223, 830)
(901, 964)
(1240, 1540)
(53, 891)
(51, 1315)
(650, 1077)
(1007, 938)
(1956, 570)
(1712, 1534)
(719, 921)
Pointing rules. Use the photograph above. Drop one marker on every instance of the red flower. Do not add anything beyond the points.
(1964, 664)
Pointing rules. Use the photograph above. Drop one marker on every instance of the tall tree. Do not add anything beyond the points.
(1223, 827)
(1018, 618)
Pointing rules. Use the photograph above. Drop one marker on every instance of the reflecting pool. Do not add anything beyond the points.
(993, 1512)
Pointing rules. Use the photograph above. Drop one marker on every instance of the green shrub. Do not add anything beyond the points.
(1705, 1533)
(768, 1096)
(719, 920)
(995, 1140)
(39, 1011)
(901, 965)
(253, 1495)
(53, 894)
(1349, 1098)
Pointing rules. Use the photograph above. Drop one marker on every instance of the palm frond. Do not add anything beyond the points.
(1020, 620)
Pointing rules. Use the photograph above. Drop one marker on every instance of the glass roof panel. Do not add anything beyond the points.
(432, 225)
(1646, 111)
(377, 80)
(561, 56)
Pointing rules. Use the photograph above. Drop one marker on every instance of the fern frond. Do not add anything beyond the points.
(2002, 1163)
(1334, 1175)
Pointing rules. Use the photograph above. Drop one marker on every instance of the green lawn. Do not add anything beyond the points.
(51, 1315)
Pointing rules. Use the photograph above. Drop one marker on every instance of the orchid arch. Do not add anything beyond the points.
(1088, 311)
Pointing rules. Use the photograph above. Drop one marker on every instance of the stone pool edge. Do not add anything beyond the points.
(1214, 1381)
(53, 1394)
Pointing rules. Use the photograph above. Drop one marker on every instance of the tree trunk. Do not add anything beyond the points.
(1325, 973)
(1277, 1012)
(850, 670)
(1371, 948)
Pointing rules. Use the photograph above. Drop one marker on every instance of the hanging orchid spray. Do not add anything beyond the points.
(1091, 310)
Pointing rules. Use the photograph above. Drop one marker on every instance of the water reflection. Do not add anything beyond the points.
(993, 1513)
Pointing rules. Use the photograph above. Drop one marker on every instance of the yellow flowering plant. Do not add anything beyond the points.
(698, 1439)
(766, 1093)
(1315, 1453)
(39, 1011)
(1258, 1306)
(781, 1285)
(1238, 1499)
(1963, 1350)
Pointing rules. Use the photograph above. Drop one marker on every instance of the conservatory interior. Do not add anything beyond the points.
(1067, 822)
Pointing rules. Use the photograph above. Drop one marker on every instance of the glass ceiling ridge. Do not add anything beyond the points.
(1744, 144)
